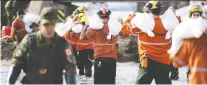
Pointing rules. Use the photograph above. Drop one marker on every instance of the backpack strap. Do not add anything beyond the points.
(32, 41)
(32, 45)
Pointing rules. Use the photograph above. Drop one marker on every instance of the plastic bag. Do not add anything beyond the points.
(77, 28)
(145, 22)
(95, 22)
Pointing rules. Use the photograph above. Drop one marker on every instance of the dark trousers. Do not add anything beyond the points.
(75, 54)
(104, 71)
(155, 70)
(85, 63)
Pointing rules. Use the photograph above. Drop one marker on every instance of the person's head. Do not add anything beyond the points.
(20, 14)
(49, 18)
(154, 7)
(34, 26)
(104, 14)
(195, 12)
(80, 9)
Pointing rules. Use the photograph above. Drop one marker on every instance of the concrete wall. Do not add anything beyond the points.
(36, 6)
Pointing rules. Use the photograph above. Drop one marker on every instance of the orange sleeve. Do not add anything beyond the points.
(182, 56)
(66, 35)
(126, 27)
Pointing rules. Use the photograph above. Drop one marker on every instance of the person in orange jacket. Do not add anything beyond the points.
(155, 61)
(83, 47)
(18, 30)
(193, 53)
(104, 50)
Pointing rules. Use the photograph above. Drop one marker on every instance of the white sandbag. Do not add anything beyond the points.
(77, 28)
(145, 22)
(61, 28)
(193, 28)
(114, 28)
(95, 22)
(28, 19)
(69, 21)
(124, 19)
(169, 21)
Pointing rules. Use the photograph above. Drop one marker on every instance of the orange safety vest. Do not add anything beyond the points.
(75, 41)
(72, 39)
(103, 48)
(194, 54)
(155, 47)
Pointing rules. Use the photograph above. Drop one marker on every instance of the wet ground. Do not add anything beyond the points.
(126, 74)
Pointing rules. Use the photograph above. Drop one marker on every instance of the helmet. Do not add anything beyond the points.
(104, 12)
(83, 19)
(154, 4)
(80, 15)
(80, 9)
(154, 7)
(195, 8)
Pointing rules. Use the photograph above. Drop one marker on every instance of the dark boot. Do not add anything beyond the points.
(174, 74)
(88, 72)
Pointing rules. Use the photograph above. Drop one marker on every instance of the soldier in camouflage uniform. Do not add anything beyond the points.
(44, 55)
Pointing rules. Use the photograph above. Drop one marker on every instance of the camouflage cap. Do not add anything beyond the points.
(48, 15)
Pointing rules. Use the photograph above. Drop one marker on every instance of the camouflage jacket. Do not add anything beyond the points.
(24, 48)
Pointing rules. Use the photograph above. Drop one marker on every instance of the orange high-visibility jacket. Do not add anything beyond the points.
(73, 39)
(194, 54)
(155, 47)
(18, 29)
(103, 48)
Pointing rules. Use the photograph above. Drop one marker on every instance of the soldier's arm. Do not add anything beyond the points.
(69, 65)
(19, 59)
(182, 56)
